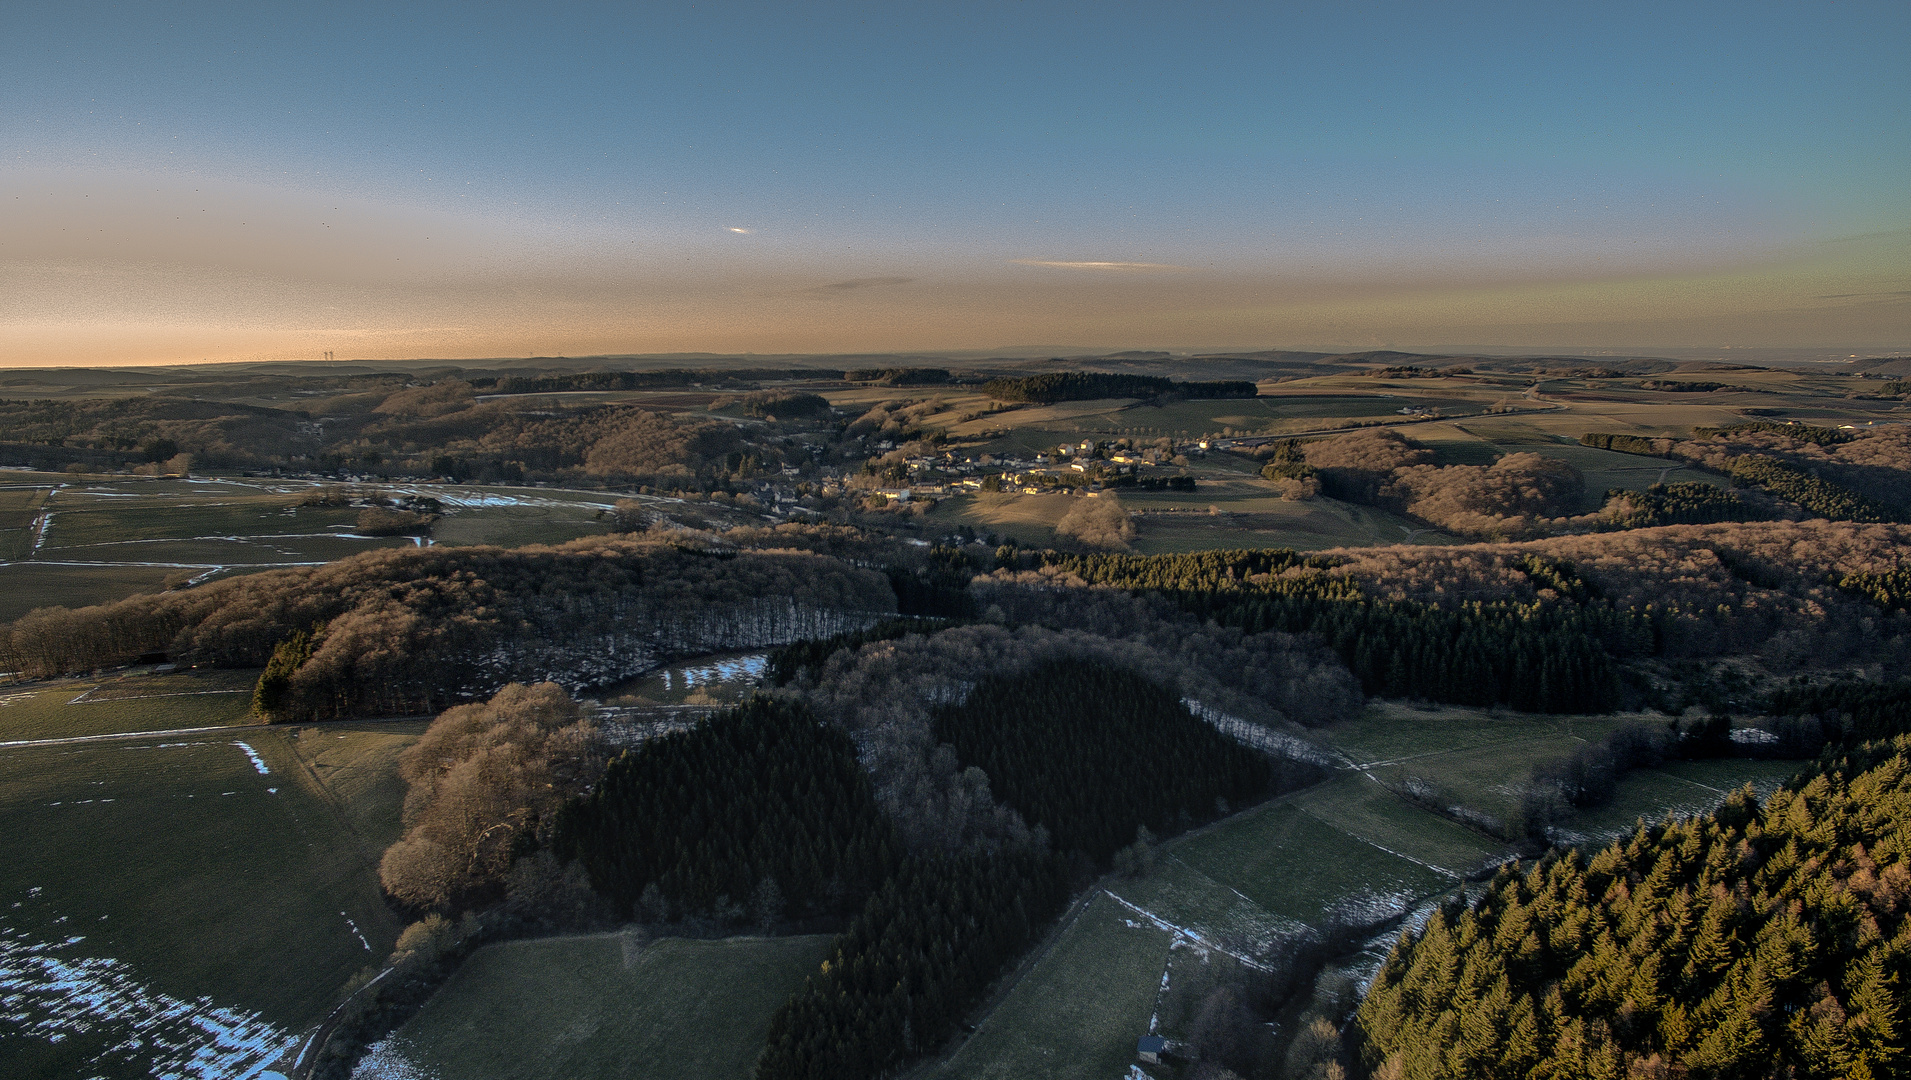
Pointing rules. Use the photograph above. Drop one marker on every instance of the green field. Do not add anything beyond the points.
(19, 510)
(1260, 855)
(110, 537)
(1079, 1010)
(1349, 850)
(601, 1006)
(1365, 809)
(173, 895)
(1392, 731)
(28, 585)
(1246, 886)
(1675, 789)
(1233, 512)
(131, 702)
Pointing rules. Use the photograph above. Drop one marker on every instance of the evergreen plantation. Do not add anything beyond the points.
(1091, 753)
(902, 976)
(765, 805)
(1754, 942)
(1683, 503)
(1544, 656)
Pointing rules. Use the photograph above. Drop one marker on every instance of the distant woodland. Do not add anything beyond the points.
(389, 426)
(1057, 386)
(1765, 471)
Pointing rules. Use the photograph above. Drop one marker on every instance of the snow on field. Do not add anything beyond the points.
(49, 993)
(387, 1060)
(1183, 936)
(257, 761)
(727, 670)
(356, 932)
(474, 497)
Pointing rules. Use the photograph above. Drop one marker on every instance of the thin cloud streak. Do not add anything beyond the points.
(1115, 266)
(857, 283)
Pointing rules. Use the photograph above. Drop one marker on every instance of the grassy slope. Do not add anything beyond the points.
(206, 879)
(1678, 788)
(150, 703)
(1080, 1009)
(591, 1006)
(1347, 847)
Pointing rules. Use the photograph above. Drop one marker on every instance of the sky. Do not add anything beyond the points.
(203, 181)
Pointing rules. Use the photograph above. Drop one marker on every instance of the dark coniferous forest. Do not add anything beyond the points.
(924, 949)
(764, 805)
(1755, 942)
(1090, 752)
(1545, 656)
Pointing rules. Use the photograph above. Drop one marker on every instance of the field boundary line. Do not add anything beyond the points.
(151, 697)
(1182, 931)
(20, 744)
(1350, 834)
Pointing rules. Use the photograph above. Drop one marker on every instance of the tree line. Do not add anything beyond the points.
(1804, 433)
(900, 376)
(1542, 656)
(408, 631)
(1057, 386)
(667, 378)
(1756, 941)
(1626, 444)
(1681, 503)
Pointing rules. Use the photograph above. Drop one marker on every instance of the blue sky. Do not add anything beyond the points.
(247, 179)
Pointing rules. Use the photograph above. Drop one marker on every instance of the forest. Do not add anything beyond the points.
(1091, 752)
(1094, 758)
(405, 631)
(763, 816)
(389, 427)
(1757, 941)
(1519, 495)
(1543, 656)
(1681, 503)
(763, 809)
(1830, 473)
(1049, 388)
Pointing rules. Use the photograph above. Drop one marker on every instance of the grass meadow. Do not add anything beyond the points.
(1079, 1010)
(110, 537)
(1675, 789)
(605, 1005)
(28, 585)
(1348, 850)
(70, 708)
(175, 895)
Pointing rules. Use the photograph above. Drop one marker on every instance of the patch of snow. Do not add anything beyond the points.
(356, 933)
(388, 1060)
(257, 761)
(1184, 936)
(47, 996)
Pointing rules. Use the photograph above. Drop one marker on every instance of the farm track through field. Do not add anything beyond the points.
(21, 744)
